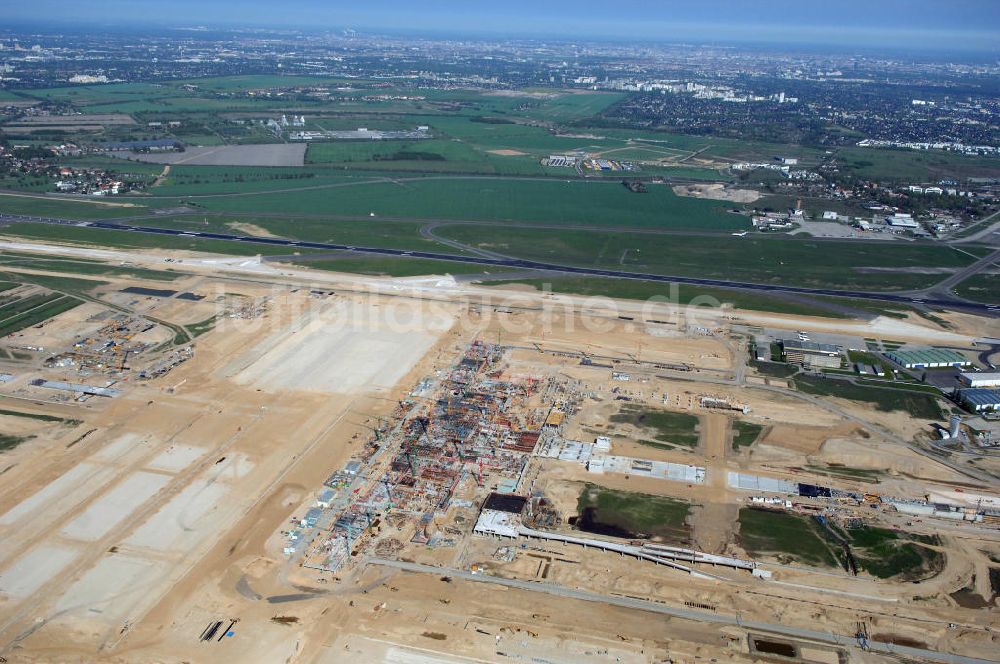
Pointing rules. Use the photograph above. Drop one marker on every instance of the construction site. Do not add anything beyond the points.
(405, 470)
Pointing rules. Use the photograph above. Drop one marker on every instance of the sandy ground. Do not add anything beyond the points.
(250, 229)
(917, 330)
(123, 546)
(71, 199)
(362, 349)
(276, 154)
(716, 192)
(508, 153)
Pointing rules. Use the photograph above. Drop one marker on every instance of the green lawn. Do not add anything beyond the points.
(589, 202)
(774, 369)
(914, 166)
(13, 261)
(201, 327)
(387, 152)
(364, 232)
(745, 434)
(787, 536)
(657, 517)
(52, 305)
(804, 262)
(129, 239)
(37, 416)
(840, 470)
(394, 267)
(9, 442)
(887, 553)
(63, 284)
(669, 427)
(982, 287)
(922, 406)
(65, 209)
(682, 294)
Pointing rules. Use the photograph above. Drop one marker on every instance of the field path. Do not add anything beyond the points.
(714, 520)
(161, 177)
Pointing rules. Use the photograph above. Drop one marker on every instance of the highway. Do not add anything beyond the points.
(521, 264)
(680, 612)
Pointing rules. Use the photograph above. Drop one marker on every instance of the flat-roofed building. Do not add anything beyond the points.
(983, 379)
(979, 400)
(810, 353)
(928, 358)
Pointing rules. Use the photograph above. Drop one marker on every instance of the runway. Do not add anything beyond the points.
(522, 264)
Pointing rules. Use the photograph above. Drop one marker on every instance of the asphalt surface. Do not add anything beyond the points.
(522, 264)
(679, 612)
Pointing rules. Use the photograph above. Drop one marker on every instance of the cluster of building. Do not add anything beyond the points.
(777, 221)
(562, 160)
(581, 161)
(784, 167)
(89, 181)
(362, 134)
(608, 165)
(977, 508)
(697, 90)
(282, 124)
(950, 146)
(151, 145)
(16, 162)
(979, 392)
(92, 182)
(108, 350)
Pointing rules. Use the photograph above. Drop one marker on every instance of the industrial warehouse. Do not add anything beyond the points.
(928, 358)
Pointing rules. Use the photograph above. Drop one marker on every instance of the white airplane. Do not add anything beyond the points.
(743, 234)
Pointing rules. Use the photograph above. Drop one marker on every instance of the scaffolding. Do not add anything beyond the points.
(476, 423)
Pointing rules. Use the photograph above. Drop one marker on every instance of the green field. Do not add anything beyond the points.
(393, 267)
(12, 261)
(774, 369)
(789, 537)
(826, 264)
(427, 154)
(628, 514)
(668, 427)
(32, 310)
(842, 471)
(590, 202)
(914, 166)
(923, 406)
(9, 442)
(128, 239)
(682, 294)
(37, 416)
(983, 287)
(460, 174)
(65, 208)
(196, 181)
(887, 553)
(745, 434)
(364, 232)
(62, 284)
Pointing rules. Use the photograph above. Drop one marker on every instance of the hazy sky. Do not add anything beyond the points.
(934, 24)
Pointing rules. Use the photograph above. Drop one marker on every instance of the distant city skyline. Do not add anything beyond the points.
(919, 25)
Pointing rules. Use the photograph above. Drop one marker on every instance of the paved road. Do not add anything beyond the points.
(943, 288)
(679, 612)
(521, 264)
(983, 235)
(964, 469)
